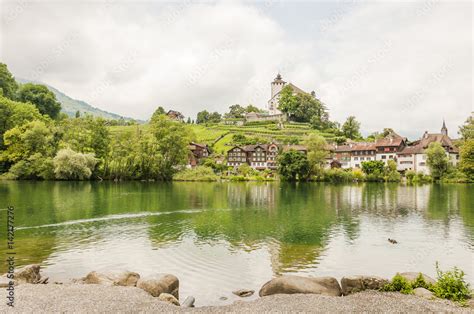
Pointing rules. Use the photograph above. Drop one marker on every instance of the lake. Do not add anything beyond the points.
(220, 237)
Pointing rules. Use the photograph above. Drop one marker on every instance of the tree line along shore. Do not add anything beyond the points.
(38, 142)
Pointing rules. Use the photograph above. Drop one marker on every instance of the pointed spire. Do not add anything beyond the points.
(444, 129)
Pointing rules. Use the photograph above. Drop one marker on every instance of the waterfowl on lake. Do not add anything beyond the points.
(393, 241)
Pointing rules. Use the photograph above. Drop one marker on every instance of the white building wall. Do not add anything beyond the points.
(385, 157)
(356, 161)
(406, 162)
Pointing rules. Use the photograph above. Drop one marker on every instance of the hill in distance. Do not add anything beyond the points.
(70, 106)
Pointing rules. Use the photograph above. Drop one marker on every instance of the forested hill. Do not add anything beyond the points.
(71, 106)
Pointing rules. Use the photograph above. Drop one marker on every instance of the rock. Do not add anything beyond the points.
(27, 274)
(295, 284)
(223, 298)
(166, 297)
(352, 284)
(411, 277)
(125, 278)
(424, 293)
(97, 279)
(188, 302)
(158, 284)
(243, 293)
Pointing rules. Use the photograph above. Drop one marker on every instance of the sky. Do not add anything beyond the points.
(399, 64)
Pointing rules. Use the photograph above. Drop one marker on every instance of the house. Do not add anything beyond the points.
(361, 152)
(260, 156)
(388, 147)
(175, 115)
(342, 153)
(414, 157)
(276, 87)
(197, 152)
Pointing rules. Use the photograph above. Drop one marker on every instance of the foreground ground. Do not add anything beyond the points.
(100, 299)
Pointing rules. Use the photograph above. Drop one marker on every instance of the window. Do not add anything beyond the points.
(356, 158)
(384, 157)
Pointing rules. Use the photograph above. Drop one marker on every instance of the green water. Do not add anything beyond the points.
(219, 237)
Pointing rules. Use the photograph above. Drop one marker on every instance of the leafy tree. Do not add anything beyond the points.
(351, 128)
(293, 166)
(374, 169)
(8, 85)
(311, 109)
(288, 102)
(41, 97)
(467, 129)
(317, 153)
(202, 117)
(215, 117)
(391, 173)
(28, 139)
(14, 114)
(86, 135)
(466, 164)
(235, 111)
(172, 145)
(437, 160)
(71, 165)
(188, 121)
(78, 114)
(245, 170)
(252, 108)
(159, 111)
(35, 166)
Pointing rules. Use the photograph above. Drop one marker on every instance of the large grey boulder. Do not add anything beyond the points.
(125, 278)
(158, 284)
(411, 277)
(27, 274)
(352, 284)
(296, 284)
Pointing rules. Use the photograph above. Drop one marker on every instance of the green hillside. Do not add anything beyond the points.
(70, 106)
(220, 136)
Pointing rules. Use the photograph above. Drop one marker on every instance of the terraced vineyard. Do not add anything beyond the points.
(219, 136)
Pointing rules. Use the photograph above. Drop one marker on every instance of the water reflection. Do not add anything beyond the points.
(215, 232)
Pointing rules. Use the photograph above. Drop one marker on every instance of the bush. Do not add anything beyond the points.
(200, 173)
(399, 284)
(358, 175)
(410, 175)
(338, 175)
(451, 285)
(70, 165)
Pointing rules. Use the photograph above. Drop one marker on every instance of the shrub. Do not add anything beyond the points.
(70, 165)
(451, 285)
(337, 175)
(200, 173)
(420, 282)
(399, 284)
(358, 175)
(410, 175)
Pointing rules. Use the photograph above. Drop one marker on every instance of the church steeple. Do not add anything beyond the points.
(444, 129)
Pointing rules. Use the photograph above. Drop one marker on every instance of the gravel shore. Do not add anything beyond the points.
(76, 298)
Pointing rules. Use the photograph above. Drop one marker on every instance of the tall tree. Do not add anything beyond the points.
(467, 129)
(8, 85)
(288, 102)
(252, 108)
(317, 153)
(351, 128)
(235, 111)
(41, 97)
(437, 160)
(202, 117)
(172, 145)
(215, 117)
(293, 166)
(159, 111)
(466, 163)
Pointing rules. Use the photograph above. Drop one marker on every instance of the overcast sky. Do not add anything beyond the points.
(405, 65)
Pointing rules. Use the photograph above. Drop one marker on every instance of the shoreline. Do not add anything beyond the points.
(69, 298)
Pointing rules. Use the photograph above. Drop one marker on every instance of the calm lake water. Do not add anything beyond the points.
(219, 237)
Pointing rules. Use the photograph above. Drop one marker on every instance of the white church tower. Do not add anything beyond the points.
(277, 86)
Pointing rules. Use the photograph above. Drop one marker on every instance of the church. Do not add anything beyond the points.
(276, 87)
